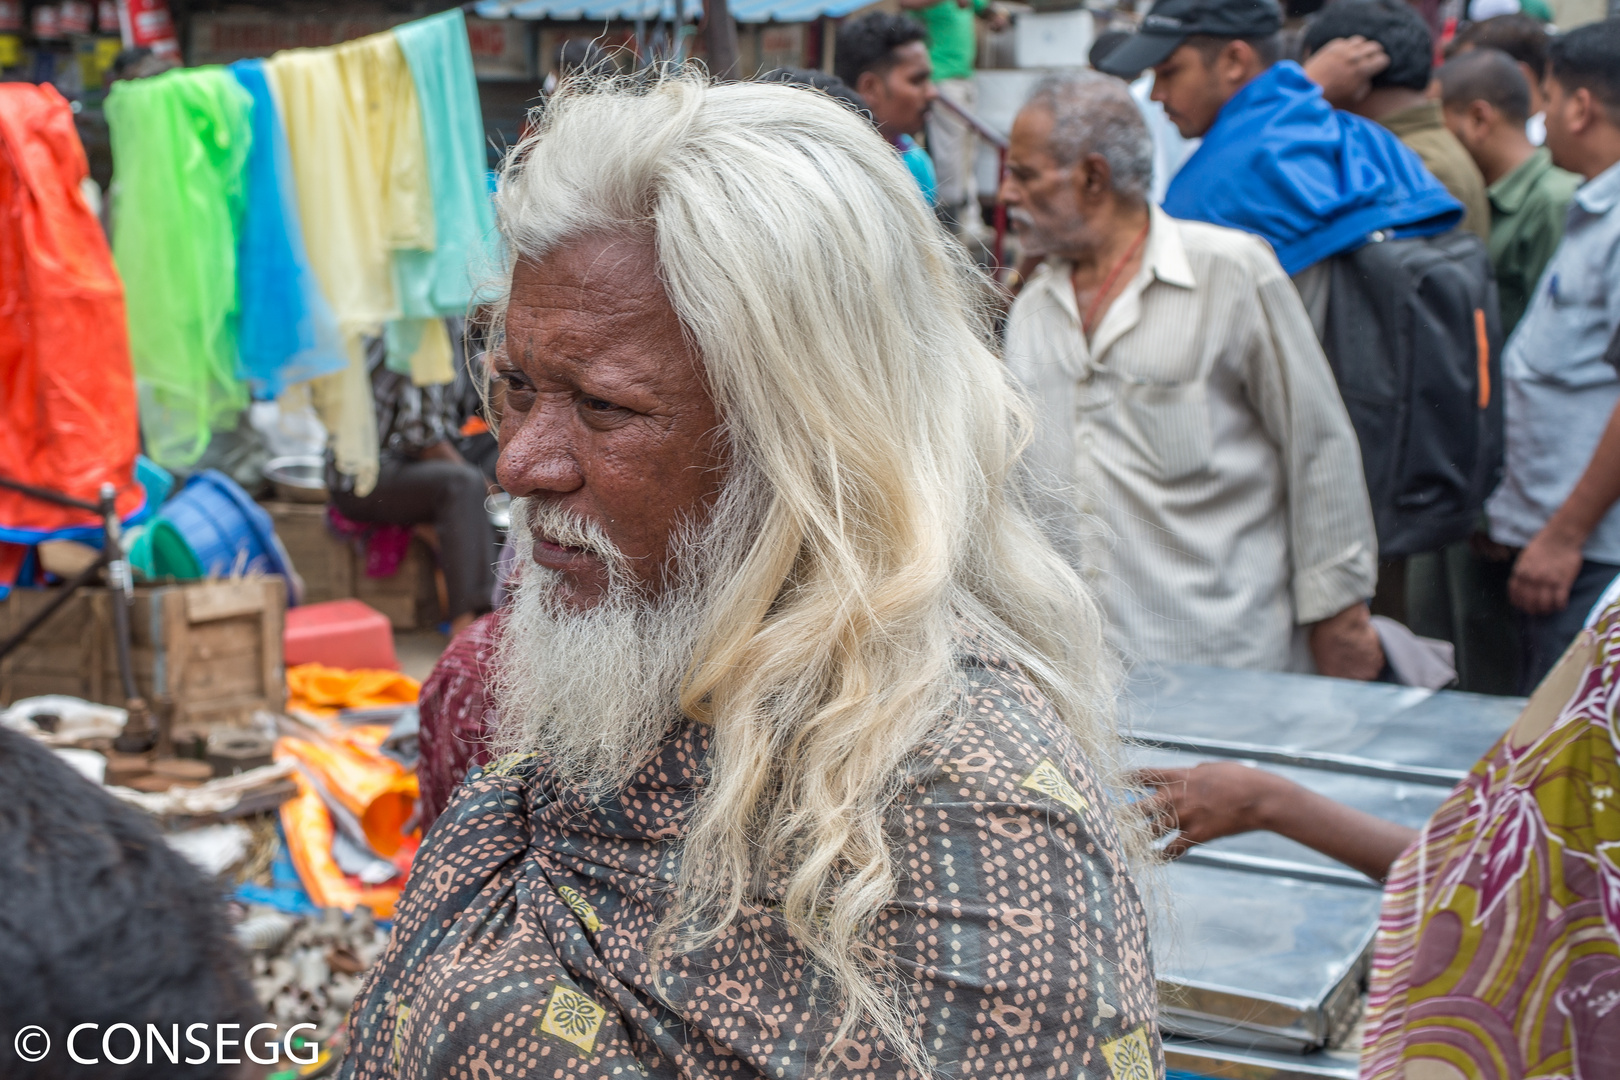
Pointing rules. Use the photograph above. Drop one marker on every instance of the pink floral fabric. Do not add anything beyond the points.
(1498, 952)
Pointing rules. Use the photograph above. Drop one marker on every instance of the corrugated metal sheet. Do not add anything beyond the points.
(746, 11)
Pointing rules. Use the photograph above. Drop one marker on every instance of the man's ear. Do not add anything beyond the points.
(1583, 109)
(868, 83)
(1093, 177)
(1236, 61)
(1482, 116)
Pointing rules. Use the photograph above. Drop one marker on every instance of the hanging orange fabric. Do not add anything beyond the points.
(67, 391)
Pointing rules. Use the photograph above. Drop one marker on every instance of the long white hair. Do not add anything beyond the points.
(844, 339)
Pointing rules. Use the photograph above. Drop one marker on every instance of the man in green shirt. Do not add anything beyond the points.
(1486, 99)
(952, 48)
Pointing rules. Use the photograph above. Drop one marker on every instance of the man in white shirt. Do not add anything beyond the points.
(1191, 438)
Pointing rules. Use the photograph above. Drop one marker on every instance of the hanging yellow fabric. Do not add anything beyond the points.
(355, 134)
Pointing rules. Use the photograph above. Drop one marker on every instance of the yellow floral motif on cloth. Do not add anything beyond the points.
(573, 1017)
(402, 1016)
(580, 907)
(1129, 1057)
(1049, 780)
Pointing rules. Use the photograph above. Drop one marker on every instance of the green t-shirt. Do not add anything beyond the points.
(1528, 208)
(952, 45)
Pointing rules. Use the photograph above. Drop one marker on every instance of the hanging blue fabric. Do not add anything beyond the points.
(287, 331)
(441, 281)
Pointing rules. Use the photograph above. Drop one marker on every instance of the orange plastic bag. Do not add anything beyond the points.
(375, 789)
(324, 691)
(67, 390)
(308, 828)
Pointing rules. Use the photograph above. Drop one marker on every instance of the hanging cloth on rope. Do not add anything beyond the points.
(287, 332)
(67, 393)
(441, 281)
(180, 143)
(359, 167)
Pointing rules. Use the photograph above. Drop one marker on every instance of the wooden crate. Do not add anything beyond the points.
(209, 650)
(332, 570)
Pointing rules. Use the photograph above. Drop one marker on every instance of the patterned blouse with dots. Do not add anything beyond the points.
(518, 946)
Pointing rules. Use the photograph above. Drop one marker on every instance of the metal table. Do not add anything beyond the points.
(1261, 945)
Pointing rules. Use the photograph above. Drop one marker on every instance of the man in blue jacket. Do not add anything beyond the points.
(1277, 159)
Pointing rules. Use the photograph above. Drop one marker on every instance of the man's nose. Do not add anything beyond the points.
(1008, 193)
(539, 456)
(931, 93)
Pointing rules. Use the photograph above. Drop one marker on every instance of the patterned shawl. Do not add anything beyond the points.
(518, 948)
(1498, 953)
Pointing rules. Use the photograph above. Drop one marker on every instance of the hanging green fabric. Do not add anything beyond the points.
(180, 142)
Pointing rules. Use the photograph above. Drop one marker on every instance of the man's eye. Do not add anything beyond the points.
(598, 404)
(519, 394)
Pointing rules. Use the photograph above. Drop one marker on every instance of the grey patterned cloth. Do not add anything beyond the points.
(518, 947)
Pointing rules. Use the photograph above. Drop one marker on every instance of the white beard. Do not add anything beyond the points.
(594, 693)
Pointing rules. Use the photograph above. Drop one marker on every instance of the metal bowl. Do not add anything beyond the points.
(298, 479)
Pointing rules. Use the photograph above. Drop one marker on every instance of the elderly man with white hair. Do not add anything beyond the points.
(1192, 438)
(805, 725)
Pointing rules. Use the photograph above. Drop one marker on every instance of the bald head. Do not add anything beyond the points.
(1488, 75)
(1093, 113)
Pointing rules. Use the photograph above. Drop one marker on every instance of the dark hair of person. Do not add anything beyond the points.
(1105, 43)
(104, 923)
(1520, 36)
(831, 85)
(1588, 58)
(1393, 24)
(1488, 75)
(1267, 47)
(868, 44)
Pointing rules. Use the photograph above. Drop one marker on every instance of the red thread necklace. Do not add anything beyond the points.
(1113, 276)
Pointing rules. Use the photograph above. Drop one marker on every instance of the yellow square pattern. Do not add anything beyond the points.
(1129, 1056)
(1049, 780)
(573, 1018)
(580, 907)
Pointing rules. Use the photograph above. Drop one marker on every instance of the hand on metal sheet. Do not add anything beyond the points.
(1206, 802)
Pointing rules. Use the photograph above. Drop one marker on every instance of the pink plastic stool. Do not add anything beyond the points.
(340, 634)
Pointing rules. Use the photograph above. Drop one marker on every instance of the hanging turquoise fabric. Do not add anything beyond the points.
(441, 281)
(180, 141)
(287, 332)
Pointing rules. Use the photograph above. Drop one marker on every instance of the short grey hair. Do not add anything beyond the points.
(1093, 113)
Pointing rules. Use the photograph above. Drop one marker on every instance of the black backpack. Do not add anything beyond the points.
(1414, 338)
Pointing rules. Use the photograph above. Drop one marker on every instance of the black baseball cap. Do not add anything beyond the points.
(1173, 21)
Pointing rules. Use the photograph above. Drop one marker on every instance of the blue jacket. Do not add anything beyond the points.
(1279, 161)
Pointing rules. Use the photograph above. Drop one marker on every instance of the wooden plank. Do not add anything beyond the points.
(272, 629)
(223, 599)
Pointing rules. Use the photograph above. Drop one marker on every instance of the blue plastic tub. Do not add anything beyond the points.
(224, 528)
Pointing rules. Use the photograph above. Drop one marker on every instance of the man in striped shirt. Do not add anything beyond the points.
(1195, 450)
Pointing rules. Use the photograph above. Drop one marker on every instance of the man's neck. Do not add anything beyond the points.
(1115, 229)
(1387, 101)
(1598, 150)
(1503, 151)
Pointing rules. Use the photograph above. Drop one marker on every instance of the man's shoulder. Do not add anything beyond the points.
(1232, 253)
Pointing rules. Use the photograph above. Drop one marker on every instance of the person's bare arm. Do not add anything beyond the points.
(1344, 68)
(1224, 798)
(1346, 646)
(1546, 568)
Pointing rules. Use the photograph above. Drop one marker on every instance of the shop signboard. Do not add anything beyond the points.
(224, 36)
(502, 49)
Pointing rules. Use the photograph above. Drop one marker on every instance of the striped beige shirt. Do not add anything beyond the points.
(1201, 438)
